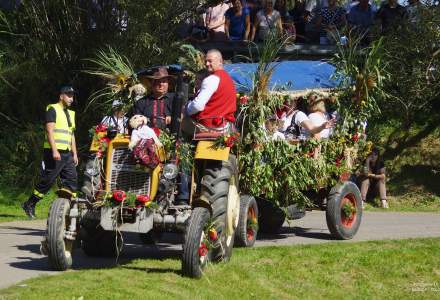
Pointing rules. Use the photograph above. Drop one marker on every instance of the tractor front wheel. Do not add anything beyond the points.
(196, 247)
(58, 247)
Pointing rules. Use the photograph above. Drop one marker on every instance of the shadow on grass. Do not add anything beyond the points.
(153, 270)
(412, 176)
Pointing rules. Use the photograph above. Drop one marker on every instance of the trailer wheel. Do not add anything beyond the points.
(246, 233)
(344, 210)
(59, 249)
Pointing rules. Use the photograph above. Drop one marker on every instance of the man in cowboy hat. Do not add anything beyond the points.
(157, 106)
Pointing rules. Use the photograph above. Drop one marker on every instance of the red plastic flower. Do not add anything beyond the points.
(244, 99)
(203, 250)
(338, 161)
(143, 198)
(104, 140)
(230, 141)
(101, 128)
(212, 233)
(355, 137)
(119, 195)
(156, 131)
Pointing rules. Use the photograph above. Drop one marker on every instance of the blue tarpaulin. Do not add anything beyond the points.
(289, 75)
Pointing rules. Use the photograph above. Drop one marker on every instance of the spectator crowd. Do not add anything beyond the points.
(302, 21)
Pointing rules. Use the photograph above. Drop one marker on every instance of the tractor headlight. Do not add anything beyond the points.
(170, 171)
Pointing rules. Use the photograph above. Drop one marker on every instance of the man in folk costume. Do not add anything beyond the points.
(215, 104)
(60, 154)
(157, 106)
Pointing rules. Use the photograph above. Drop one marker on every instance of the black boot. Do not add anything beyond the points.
(29, 206)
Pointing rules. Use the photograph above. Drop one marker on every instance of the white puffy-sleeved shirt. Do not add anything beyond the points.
(209, 86)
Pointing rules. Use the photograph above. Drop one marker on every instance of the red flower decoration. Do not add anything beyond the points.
(156, 131)
(338, 161)
(212, 233)
(119, 195)
(355, 137)
(203, 250)
(143, 198)
(101, 128)
(230, 141)
(244, 99)
(105, 140)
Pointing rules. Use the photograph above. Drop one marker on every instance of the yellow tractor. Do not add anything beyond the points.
(121, 196)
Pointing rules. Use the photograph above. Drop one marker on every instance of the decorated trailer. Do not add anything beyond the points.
(294, 174)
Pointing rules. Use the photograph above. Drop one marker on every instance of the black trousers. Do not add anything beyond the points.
(65, 168)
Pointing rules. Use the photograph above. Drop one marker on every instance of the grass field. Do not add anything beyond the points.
(405, 269)
(10, 205)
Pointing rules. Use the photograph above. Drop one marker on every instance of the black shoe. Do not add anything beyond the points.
(29, 209)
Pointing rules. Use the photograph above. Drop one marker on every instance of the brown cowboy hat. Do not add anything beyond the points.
(160, 73)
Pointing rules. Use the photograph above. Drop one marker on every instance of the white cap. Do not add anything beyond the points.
(116, 103)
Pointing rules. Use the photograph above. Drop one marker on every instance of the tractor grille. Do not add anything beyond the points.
(124, 175)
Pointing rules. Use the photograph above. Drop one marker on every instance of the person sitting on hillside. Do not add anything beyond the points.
(319, 117)
(373, 178)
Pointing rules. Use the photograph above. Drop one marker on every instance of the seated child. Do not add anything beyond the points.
(142, 141)
(117, 119)
(272, 126)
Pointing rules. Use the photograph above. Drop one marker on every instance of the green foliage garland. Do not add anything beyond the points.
(283, 172)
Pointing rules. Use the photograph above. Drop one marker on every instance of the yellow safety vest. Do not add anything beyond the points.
(62, 132)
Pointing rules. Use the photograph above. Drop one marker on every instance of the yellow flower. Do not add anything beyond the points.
(363, 103)
(121, 80)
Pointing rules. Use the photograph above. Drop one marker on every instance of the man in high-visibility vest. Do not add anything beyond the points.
(60, 155)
